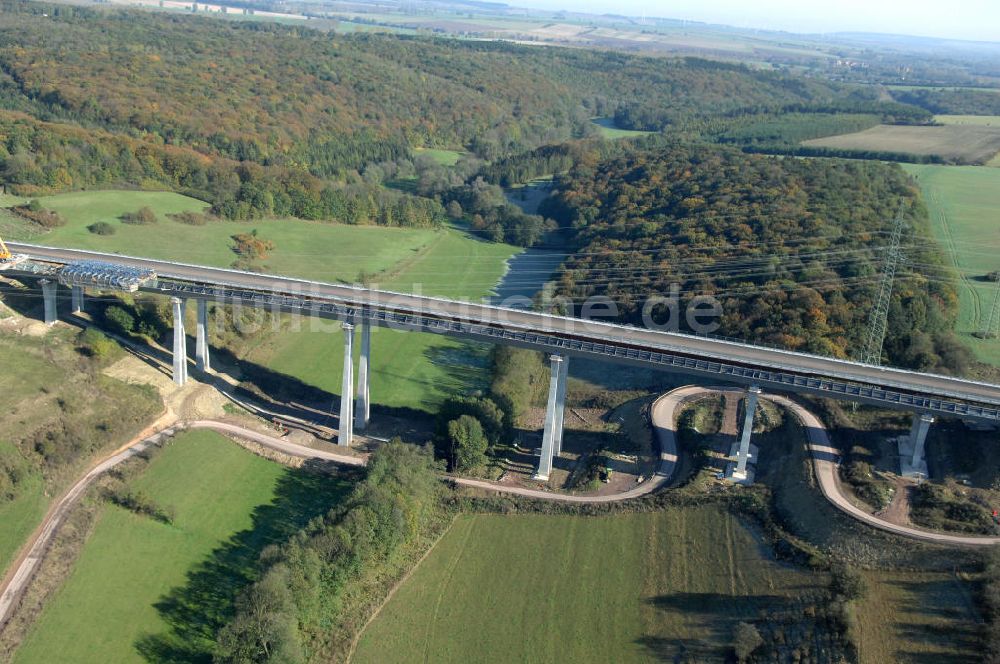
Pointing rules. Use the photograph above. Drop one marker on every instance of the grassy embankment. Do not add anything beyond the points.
(963, 203)
(52, 398)
(408, 370)
(148, 591)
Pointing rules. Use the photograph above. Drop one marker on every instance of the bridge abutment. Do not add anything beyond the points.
(362, 413)
(912, 461)
(346, 430)
(555, 403)
(49, 300)
(76, 296)
(202, 359)
(738, 471)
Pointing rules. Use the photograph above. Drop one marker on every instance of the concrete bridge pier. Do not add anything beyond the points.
(362, 413)
(560, 407)
(49, 300)
(738, 471)
(201, 354)
(911, 449)
(180, 342)
(555, 404)
(347, 389)
(76, 295)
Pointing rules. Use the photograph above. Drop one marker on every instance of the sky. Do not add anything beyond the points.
(957, 19)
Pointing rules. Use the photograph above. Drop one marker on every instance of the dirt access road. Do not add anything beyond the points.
(663, 416)
(24, 568)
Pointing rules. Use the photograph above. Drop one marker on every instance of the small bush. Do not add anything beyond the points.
(746, 639)
(143, 215)
(190, 218)
(140, 503)
(96, 344)
(101, 228)
(250, 247)
(119, 320)
(34, 211)
(13, 470)
(847, 582)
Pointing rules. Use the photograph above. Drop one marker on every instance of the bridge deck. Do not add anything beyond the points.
(742, 363)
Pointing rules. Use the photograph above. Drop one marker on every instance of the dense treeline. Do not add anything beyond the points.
(791, 248)
(280, 94)
(43, 157)
(955, 101)
(793, 128)
(305, 585)
(871, 155)
(812, 97)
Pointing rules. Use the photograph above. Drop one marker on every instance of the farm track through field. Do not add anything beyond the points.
(428, 636)
(975, 299)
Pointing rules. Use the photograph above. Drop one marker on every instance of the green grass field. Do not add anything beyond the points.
(408, 370)
(312, 250)
(609, 130)
(974, 120)
(963, 202)
(443, 157)
(145, 591)
(899, 605)
(628, 588)
(945, 88)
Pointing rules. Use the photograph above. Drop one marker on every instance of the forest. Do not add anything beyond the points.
(268, 120)
(954, 101)
(264, 119)
(791, 248)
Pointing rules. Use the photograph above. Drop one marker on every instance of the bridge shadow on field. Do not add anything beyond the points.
(284, 394)
(714, 617)
(199, 608)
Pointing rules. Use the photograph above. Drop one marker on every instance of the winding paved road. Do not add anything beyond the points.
(825, 457)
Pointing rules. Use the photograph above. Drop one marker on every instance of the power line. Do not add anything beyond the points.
(878, 322)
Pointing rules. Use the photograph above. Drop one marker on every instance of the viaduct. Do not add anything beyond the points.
(757, 368)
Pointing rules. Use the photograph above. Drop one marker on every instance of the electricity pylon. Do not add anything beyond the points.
(872, 353)
(991, 327)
